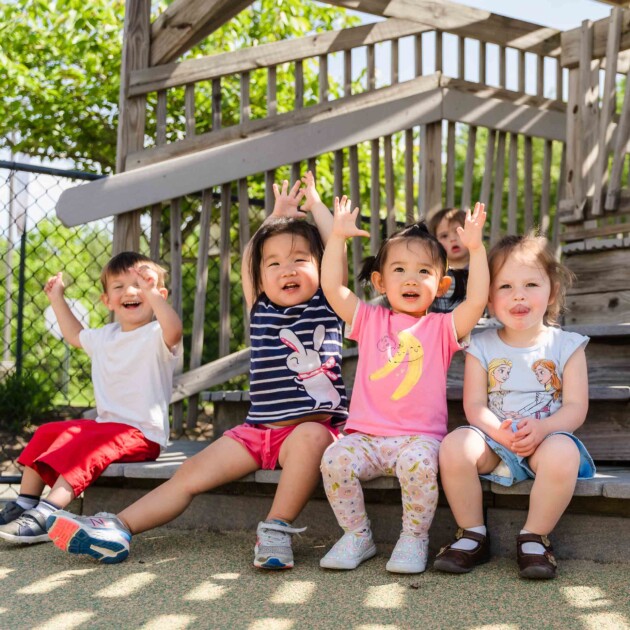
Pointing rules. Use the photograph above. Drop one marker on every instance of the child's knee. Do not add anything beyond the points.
(560, 457)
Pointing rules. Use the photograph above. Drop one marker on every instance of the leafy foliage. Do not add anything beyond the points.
(23, 399)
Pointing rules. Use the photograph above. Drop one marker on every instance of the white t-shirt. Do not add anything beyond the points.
(132, 374)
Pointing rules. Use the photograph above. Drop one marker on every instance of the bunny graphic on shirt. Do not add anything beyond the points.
(315, 378)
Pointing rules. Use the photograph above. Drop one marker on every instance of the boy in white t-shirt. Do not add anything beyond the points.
(133, 361)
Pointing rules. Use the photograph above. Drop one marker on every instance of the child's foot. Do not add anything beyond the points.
(103, 536)
(10, 512)
(535, 566)
(349, 551)
(464, 560)
(273, 545)
(28, 528)
(409, 555)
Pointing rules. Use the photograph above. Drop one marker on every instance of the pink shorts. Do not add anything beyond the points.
(80, 450)
(264, 444)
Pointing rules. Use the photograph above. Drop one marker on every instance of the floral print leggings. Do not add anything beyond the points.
(359, 457)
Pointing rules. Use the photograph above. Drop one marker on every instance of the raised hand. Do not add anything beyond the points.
(311, 196)
(54, 287)
(471, 234)
(345, 219)
(288, 201)
(146, 277)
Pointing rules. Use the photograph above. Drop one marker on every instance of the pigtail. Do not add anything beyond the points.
(368, 267)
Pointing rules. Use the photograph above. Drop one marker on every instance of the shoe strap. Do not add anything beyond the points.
(283, 528)
(33, 515)
(466, 533)
(535, 538)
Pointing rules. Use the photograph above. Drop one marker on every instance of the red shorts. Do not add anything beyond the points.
(80, 450)
(263, 443)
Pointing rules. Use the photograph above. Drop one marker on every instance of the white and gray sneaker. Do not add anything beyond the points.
(273, 545)
(28, 528)
(10, 512)
(409, 555)
(349, 551)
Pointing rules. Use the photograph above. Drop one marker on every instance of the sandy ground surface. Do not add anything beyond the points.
(177, 579)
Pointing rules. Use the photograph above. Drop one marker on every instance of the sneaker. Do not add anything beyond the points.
(349, 552)
(28, 528)
(409, 555)
(10, 512)
(104, 537)
(273, 545)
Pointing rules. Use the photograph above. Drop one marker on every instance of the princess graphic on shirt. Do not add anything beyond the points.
(498, 373)
(546, 375)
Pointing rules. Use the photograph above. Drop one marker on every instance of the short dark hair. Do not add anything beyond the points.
(274, 227)
(123, 262)
(450, 214)
(418, 231)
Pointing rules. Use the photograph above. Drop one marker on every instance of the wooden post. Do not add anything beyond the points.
(132, 115)
(431, 156)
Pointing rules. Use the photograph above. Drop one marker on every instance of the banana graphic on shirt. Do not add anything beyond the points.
(407, 345)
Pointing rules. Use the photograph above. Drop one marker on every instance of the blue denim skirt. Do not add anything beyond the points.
(514, 468)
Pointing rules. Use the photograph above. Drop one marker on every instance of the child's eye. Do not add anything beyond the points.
(272, 264)
(425, 271)
(532, 284)
(505, 286)
(398, 270)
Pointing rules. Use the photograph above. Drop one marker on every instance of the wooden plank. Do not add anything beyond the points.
(607, 111)
(394, 62)
(216, 105)
(245, 109)
(521, 71)
(156, 232)
(528, 173)
(272, 91)
(623, 132)
(189, 109)
(502, 73)
(559, 81)
(390, 192)
(466, 21)
(270, 200)
(338, 189)
(371, 68)
(160, 118)
(185, 23)
(438, 51)
(591, 267)
(461, 57)
(540, 75)
(560, 193)
(199, 308)
(224, 271)
(486, 182)
(375, 197)
(176, 287)
(243, 239)
(329, 131)
(273, 54)
(513, 185)
(544, 219)
(599, 308)
(450, 165)
(598, 231)
(299, 84)
(417, 41)
(469, 167)
(573, 186)
(347, 72)
(431, 156)
(483, 48)
(409, 153)
(355, 195)
(497, 195)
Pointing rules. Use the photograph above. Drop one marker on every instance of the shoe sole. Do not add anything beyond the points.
(273, 564)
(68, 536)
(537, 573)
(401, 568)
(448, 567)
(334, 564)
(24, 540)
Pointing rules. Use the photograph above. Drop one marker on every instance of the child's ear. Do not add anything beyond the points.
(554, 293)
(105, 301)
(444, 286)
(377, 281)
(163, 291)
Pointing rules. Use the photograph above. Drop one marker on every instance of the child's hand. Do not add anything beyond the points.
(311, 196)
(471, 234)
(55, 287)
(530, 433)
(345, 219)
(505, 436)
(147, 278)
(287, 201)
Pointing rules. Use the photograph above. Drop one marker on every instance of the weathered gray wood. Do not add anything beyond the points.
(482, 61)
(409, 200)
(623, 132)
(299, 84)
(540, 75)
(486, 181)
(156, 232)
(438, 51)
(466, 21)
(581, 234)
(371, 68)
(270, 199)
(521, 71)
(607, 110)
(338, 190)
(185, 23)
(375, 197)
(199, 308)
(417, 49)
(272, 91)
(243, 238)
(264, 55)
(355, 195)
(469, 168)
(599, 308)
(216, 105)
(502, 72)
(545, 202)
(160, 118)
(497, 194)
(347, 72)
(559, 81)
(450, 165)
(176, 287)
(189, 109)
(394, 61)
(513, 185)
(224, 270)
(461, 58)
(390, 191)
(560, 194)
(431, 156)
(528, 173)
(245, 109)
(591, 267)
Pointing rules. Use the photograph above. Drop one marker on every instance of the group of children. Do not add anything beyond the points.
(525, 391)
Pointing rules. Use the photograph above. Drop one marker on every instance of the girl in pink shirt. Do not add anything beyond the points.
(398, 409)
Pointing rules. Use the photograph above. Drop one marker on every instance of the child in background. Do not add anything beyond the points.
(444, 226)
(543, 398)
(297, 396)
(133, 361)
(398, 410)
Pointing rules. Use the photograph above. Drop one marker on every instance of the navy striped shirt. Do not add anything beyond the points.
(295, 366)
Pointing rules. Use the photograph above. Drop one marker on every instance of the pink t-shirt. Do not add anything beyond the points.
(400, 385)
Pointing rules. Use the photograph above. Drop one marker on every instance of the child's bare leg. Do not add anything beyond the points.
(556, 463)
(223, 461)
(32, 483)
(61, 493)
(463, 456)
(300, 457)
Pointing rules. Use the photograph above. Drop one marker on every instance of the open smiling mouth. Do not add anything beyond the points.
(410, 296)
(291, 286)
(131, 305)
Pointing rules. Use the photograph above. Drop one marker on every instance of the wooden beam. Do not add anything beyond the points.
(187, 22)
(272, 54)
(465, 21)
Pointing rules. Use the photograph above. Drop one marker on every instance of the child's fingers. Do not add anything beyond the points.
(285, 186)
(276, 190)
(295, 188)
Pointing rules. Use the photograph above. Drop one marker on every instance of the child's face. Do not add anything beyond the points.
(127, 301)
(409, 277)
(520, 293)
(456, 252)
(289, 271)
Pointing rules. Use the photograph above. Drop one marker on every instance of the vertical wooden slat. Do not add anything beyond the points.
(296, 173)
(299, 84)
(574, 186)
(497, 194)
(623, 132)
(513, 185)
(409, 153)
(338, 174)
(224, 271)
(589, 110)
(199, 308)
(245, 109)
(189, 110)
(394, 61)
(270, 199)
(371, 67)
(469, 168)
(160, 116)
(559, 81)
(390, 194)
(521, 71)
(450, 165)
(486, 181)
(540, 75)
(347, 72)
(528, 214)
(272, 91)
(561, 194)
(243, 239)
(545, 201)
(216, 104)
(482, 62)
(431, 158)
(608, 108)
(461, 57)
(438, 51)
(156, 209)
(502, 73)
(417, 49)
(176, 287)
(355, 194)
(375, 196)
(323, 78)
